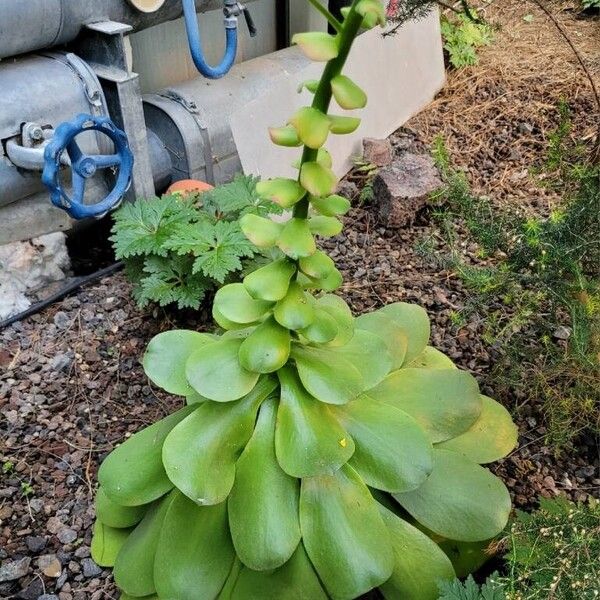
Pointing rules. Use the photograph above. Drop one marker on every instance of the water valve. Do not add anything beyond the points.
(84, 166)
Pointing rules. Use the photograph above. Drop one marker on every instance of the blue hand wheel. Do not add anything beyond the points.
(84, 166)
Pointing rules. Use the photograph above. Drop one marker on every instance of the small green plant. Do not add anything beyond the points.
(588, 4)
(469, 590)
(26, 489)
(367, 172)
(553, 552)
(177, 249)
(319, 455)
(8, 467)
(462, 37)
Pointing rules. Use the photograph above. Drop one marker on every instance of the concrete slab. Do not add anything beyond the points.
(400, 73)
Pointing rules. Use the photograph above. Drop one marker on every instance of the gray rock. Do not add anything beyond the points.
(48, 597)
(403, 188)
(562, 333)
(15, 569)
(33, 590)
(66, 535)
(62, 320)
(35, 543)
(62, 361)
(347, 189)
(90, 568)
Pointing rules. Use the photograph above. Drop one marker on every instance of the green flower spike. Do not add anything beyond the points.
(320, 455)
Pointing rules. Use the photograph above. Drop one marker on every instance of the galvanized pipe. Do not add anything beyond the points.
(28, 25)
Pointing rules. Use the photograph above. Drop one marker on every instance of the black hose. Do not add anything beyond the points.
(68, 289)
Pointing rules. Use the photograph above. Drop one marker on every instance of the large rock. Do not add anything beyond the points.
(403, 188)
(27, 266)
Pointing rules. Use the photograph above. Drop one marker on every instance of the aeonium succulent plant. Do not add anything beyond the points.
(319, 455)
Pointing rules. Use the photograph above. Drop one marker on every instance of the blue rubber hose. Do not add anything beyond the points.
(193, 32)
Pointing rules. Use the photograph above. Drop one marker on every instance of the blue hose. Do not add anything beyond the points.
(193, 32)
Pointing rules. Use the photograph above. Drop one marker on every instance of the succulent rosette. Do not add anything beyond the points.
(319, 455)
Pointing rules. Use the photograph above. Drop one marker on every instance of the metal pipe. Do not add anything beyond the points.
(30, 25)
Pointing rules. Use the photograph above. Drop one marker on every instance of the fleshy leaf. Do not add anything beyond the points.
(490, 438)
(194, 553)
(312, 126)
(431, 358)
(444, 402)
(369, 354)
(311, 85)
(460, 500)
(329, 283)
(317, 179)
(226, 324)
(323, 328)
(133, 473)
(414, 322)
(285, 136)
(115, 515)
(325, 226)
(308, 440)
(266, 349)
(419, 563)
(342, 315)
(134, 566)
(165, 358)
(391, 333)
(318, 46)
(372, 11)
(263, 504)
(215, 372)
(272, 281)
(296, 239)
(392, 451)
(262, 232)
(343, 125)
(235, 304)
(323, 155)
(200, 453)
(347, 94)
(319, 370)
(294, 311)
(318, 265)
(331, 206)
(296, 580)
(106, 543)
(284, 192)
(344, 534)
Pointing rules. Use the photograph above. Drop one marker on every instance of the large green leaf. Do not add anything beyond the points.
(200, 453)
(261, 231)
(419, 562)
(296, 580)
(327, 375)
(342, 315)
(166, 355)
(282, 191)
(272, 281)
(347, 94)
(263, 504)
(323, 329)
(294, 311)
(389, 331)
(317, 46)
(445, 402)
(490, 438)
(267, 348)
(392, 451)
(133, 473)
(308, 440)
(134, 567)
(195, 553)
(317, 179)
(414, 322)
(115, 515)
(235, 304)
(344, 534)
(296, 239)
(106, 543)
(431, 358)
(312, 126)
(325, 226)
(215, 372)
(460, 500)
(369, 354)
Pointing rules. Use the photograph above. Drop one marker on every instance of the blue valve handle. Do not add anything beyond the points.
(84, 166)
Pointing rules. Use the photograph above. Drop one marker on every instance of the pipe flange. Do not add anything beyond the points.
(147, 6)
